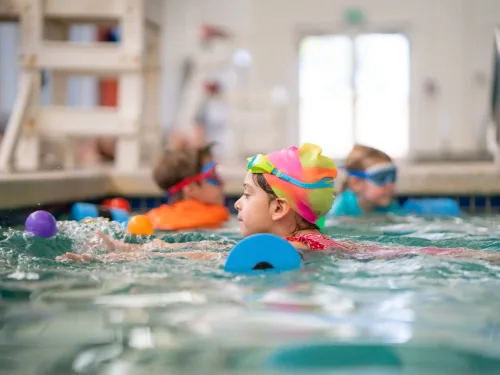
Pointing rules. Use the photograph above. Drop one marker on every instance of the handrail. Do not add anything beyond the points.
(16, 121)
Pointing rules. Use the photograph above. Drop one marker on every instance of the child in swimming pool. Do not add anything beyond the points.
(285, 192)
(369, 187)
(194, 190)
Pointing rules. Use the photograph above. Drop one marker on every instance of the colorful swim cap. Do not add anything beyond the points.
(302, 176)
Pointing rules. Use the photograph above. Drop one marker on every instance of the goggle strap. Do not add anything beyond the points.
(323, 183)
(360, 174)
(189, 180)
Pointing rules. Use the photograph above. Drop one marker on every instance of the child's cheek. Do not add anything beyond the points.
(374, 192)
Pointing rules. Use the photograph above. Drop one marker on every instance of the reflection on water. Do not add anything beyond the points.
(418, 315)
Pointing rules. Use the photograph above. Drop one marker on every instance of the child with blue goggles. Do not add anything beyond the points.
(371, 177)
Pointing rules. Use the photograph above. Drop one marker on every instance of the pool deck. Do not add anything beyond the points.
(30, 189)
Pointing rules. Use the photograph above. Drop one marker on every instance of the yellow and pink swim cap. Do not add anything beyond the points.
(302, 176)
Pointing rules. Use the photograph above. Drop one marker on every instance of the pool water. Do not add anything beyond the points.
(418, 315)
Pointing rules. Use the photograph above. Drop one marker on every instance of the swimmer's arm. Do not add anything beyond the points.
(200, 255)
(382, 253)
(120, 251)
(134, 256)
(462, 253)
(298, 245)
(111, 244)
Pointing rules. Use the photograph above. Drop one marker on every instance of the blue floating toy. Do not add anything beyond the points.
(432, 207)
(80, 211)
(262, 252)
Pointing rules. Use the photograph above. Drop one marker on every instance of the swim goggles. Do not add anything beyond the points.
(207, 174)
(379, 174)
(261, 164)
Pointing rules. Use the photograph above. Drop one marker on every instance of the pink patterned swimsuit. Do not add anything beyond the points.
(316, 241)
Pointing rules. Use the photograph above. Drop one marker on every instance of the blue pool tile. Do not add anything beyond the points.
(480, 201)
(495, 201)
(464, 201)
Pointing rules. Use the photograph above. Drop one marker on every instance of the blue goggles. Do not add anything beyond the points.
(210, 174)
(380, 175)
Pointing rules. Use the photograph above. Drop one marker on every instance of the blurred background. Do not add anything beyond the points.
(418, 79)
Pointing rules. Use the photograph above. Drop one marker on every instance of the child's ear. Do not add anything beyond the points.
(355, 183)
(189, 191)
(280, 208)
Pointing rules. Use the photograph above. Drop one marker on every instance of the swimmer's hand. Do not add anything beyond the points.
(111, 244)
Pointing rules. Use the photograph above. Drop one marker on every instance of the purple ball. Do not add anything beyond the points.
(42, 224)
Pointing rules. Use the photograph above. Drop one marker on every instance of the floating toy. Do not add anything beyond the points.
(140, 224)
(120, 203)
(432, 207)
(262, 252)
(42, 224)
(80, 211)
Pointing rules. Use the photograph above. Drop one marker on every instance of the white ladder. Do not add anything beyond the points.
(135, 61)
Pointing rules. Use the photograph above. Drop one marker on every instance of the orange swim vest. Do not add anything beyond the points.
(188, 214)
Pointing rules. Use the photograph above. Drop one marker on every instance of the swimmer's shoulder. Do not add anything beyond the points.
(345, 204)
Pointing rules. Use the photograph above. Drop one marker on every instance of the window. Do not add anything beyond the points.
(355, 89)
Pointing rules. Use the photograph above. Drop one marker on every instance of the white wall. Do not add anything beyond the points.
(451, 43)
(9, 39)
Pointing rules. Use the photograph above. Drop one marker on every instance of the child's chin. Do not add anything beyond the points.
(243, 231)
(384, 202)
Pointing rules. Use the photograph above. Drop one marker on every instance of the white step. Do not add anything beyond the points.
(84, 58)
(83, 121)
(82, 10)
(87, 9)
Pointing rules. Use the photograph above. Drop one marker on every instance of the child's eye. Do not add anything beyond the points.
(246, 195)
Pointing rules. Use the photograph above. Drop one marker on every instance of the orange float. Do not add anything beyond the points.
(188, 215)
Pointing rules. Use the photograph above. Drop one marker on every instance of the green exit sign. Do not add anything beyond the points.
(354, 16)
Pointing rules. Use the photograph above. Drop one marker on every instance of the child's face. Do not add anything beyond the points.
(254, 211)
(378, 187)
(209, 190)
(209, 193)
(380, 196)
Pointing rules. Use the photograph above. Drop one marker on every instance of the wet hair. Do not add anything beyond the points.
(301, 223)
(359, 157)
(173, 166)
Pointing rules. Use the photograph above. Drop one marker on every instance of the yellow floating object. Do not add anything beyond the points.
(91, 220)
(140, 224)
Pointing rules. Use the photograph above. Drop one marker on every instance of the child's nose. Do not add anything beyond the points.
(237, 205)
